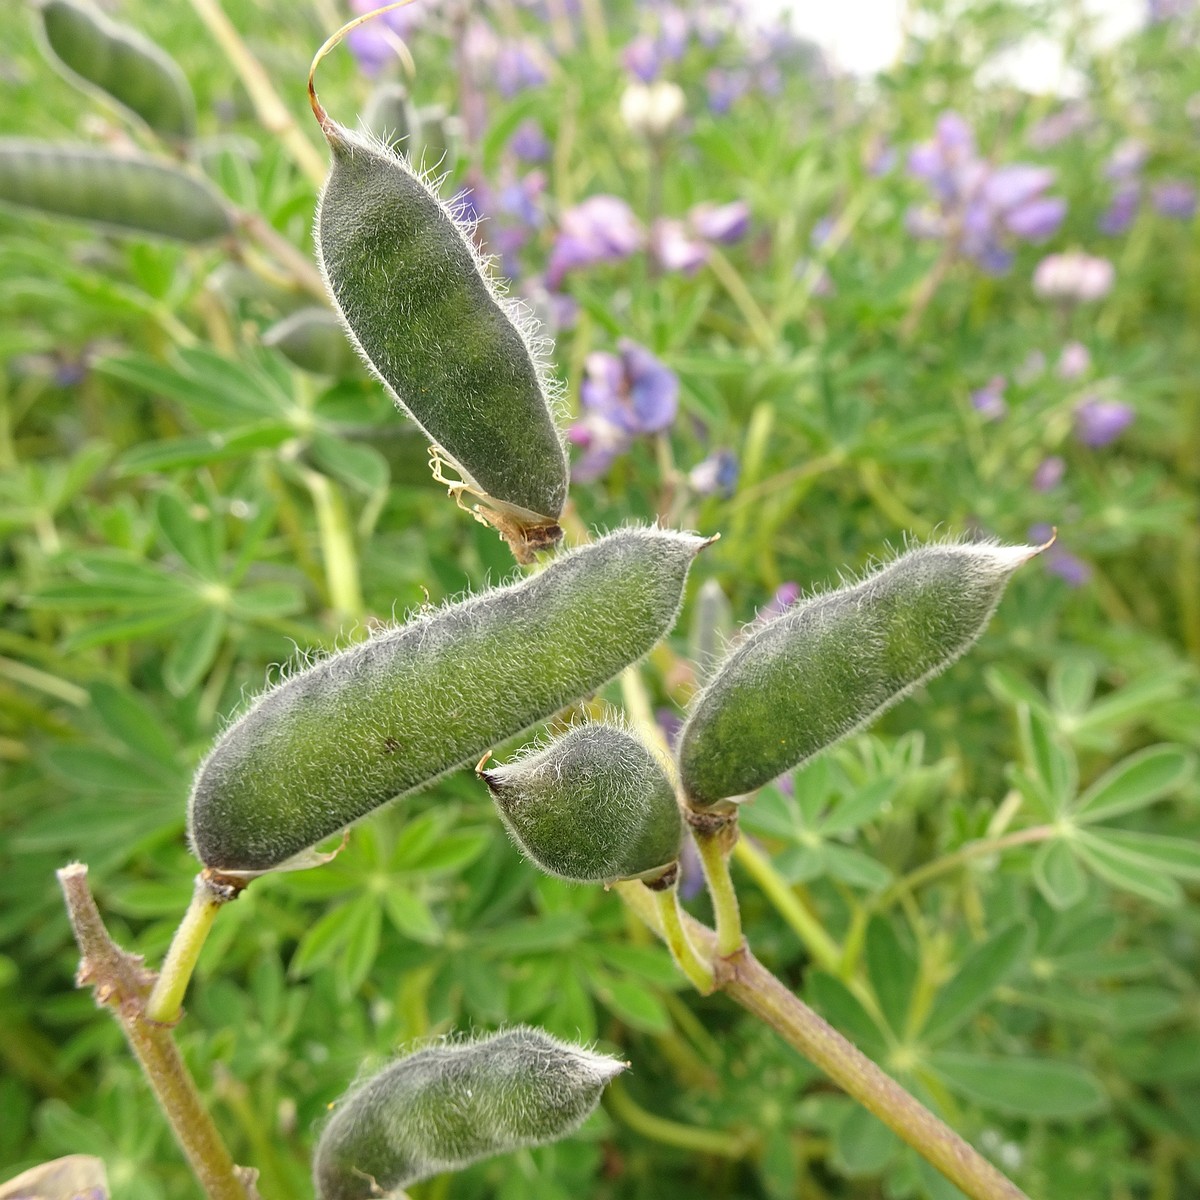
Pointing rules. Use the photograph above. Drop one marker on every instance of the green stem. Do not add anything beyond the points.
(714, 857)
(337, 546)
(165, 1005)
(728, 277)
(745, 980)
(682, 950)
(123, 984)
(674, 1133)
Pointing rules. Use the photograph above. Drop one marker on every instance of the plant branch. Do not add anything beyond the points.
(121, 982)
(714, 846)
(745, 980)
(674, 934)
(674, 1133)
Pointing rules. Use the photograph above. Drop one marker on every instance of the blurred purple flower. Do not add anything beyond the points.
(716, 475)
(1049, 474)
(881, 157)
(675, 248)
(1122, 208)
(622, 395)
(518, 67)
(641, 58)
(1126, 161)
(691, 871)
(978, 204)
(723, 223)
(1074, 117)
(1098, 422)
(670, 722)
(373, 43)
(1074, 361)
(725, 88)
(600, 229)
(1073, 277)
(988, 400)
(1074, 572)
(786, 594)
(1175, 198)
(529, 142)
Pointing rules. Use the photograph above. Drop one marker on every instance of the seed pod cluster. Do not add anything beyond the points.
(593, 806)
(134, 71)
(123, 193)
(419, 303)
(825, 668)
(394, 713)
(450, 1105)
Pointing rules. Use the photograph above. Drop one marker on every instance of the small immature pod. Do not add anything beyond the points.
(123, 193)
(134, 71)
(593, 806)
(394, 713)
(312, 338)
(827, 667)
(420, 304)
(450, 1105)
(389, 114)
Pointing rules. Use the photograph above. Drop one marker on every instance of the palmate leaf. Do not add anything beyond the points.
(978, 976)
(1058, 875)
(1128, 873)
(1022, 1087)
(1134, 783)
(892, 970)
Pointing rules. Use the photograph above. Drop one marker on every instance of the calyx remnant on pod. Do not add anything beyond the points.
(394, 713)
(420, 304)
(593, 806)
(449, 1105)
(828, 666)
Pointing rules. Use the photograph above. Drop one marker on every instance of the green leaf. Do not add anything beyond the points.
(188, 535)
(451, 853)
(835, 1002)
(411, 915)
(89, 768)
(1052, 764)
(360, 467)
(633, 1003)
(324, 940)
(1013, 689)
(1071, 685)
(856, 810)
(892, 970)
(193, 652)
(1130, 875)
(128, 628)
(361, 935)
(855, 868)
(176, 453)
(1022, 1087)
(262, 601)
(128, 717)
(863, 1145)
(1135, 700)
(554, 932)
(1135, 782)
(979, 974)
(1176, 856)
(1058, 875)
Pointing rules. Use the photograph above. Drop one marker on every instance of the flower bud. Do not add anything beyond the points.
(593, 806)
(450, 1105)
(825, 668)
(652, 110)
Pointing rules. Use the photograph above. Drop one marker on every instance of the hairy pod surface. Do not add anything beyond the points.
(593, 806)
(123, 193)
(419, 303)
(394, 713)
(313, 340)
(130, 68)
(825, 668)
(450, 1105)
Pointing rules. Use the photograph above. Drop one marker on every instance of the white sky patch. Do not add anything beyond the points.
(865, 36)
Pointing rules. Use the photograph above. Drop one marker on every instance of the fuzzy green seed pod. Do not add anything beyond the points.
(123, 193)
(450, 1105)
(396, 712)
(134, 71)
(419, 303)
(312, 338)
(593, 806)
(827, 667)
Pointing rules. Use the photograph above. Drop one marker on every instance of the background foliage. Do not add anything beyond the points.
(1006, 874)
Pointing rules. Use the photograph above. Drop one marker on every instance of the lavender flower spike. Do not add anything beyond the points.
(600, 229)
(1099, 422)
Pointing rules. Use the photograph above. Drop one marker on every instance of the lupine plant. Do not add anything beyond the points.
(930, 932)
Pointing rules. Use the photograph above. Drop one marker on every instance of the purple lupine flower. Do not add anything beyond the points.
(373, 43)
(691, 871)
(717, 475)
(880, 157)
(1099, 422)
(1074, 361)
(1058, 560)
(670, 722)
(599, 229)
(1127, 160)
(622, 395)
(675, 248)
(518, 67)
(1073, 277)
(1049, 473)
(1175, 198)
(529, 142)
(1121, 210)
(988, 401)
(725, 88)
(642, 58)
(1074, 117)
(674, 30)
(786, 594)
(723, 223)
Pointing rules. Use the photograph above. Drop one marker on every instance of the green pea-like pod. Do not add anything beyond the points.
(396, 712)
(313, 340)
(449, 1105)
(436, 135)
(420, 304)
(130, 68)
(825, 668)
(593, 806)
(389, 114)
(122, 193)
